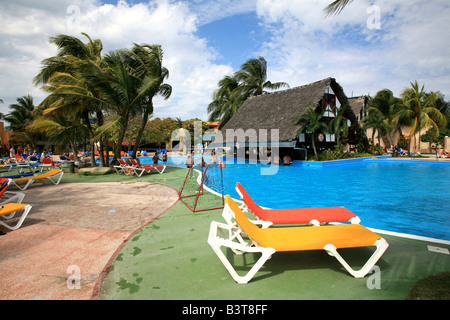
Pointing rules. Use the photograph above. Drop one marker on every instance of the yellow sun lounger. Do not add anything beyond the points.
(7, 211)
(53, 175)
(267, 241)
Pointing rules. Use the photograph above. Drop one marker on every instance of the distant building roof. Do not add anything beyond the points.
(278, 110)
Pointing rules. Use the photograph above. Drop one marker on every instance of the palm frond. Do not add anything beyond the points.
(336, 7)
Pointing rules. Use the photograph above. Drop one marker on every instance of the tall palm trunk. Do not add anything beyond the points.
(145, 117)
(91, 135)
(73, 146)
(313, 138)
(120, 138)
(100, 121)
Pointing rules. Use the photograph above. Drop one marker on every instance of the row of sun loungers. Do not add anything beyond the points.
(11, 201)
(134, 168)
(326, 229)
(33, 166)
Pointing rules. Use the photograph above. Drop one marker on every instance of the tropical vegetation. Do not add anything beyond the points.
(415, 111)
(103, 102)
(420, 111)
(92, 96)
(312, 124)
(336, 7)
(387, 116)
(249, 81)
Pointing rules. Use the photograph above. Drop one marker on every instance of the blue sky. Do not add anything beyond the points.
(204, 40)
(236, 38)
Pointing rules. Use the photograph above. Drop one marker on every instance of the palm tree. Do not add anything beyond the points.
(339, 124)
(226, 101)
(19, 119)
(311, 124)
(67, 72)
(146, 62)
(253, 78)
(420, 110)
(387, 105)
(376, 122)
(336, 7)
(61, 130)
(21, 115)
(249, 81)
(123, 92)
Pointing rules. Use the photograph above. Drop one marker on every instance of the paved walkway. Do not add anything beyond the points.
(74, 229)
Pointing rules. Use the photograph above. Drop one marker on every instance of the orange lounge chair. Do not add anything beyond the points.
(139, 169)
(314, 216)
(267, 241)
(7, 211)
(49, 164)
(19, 158)
(49, 175)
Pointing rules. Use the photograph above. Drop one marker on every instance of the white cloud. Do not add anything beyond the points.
(24, 45)
(410, 44)
(302, 46)
(208, 11)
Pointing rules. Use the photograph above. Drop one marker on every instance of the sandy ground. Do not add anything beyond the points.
(71, 233)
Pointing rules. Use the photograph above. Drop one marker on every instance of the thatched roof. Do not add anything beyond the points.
(357, 104)
(278, 110)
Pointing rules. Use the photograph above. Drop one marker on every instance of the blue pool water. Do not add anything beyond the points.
(410, 197)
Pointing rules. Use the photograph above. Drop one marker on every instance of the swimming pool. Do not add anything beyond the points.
(410, 197)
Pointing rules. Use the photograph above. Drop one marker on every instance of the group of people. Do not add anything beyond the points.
(287, 160)
(156, 157)
(27, 151)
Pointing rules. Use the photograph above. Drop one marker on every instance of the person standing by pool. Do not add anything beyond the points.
(12, 152)
(189, 161)
(189, 164)
(164, 156)
(155, 158)
(287, 160)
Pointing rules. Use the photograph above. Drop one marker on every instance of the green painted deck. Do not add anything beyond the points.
(171, 259)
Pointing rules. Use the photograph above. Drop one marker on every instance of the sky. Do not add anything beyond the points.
(370, 46)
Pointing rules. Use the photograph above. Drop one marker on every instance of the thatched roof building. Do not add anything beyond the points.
(278, 110)
(359, 105)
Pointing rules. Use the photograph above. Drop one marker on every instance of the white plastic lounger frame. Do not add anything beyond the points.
(26, 210)
(21, 166)
(123, 167)
(55, 179)
(216, 242)
(6, 166)
(228, 216)
(11, 196)
(224, 235)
